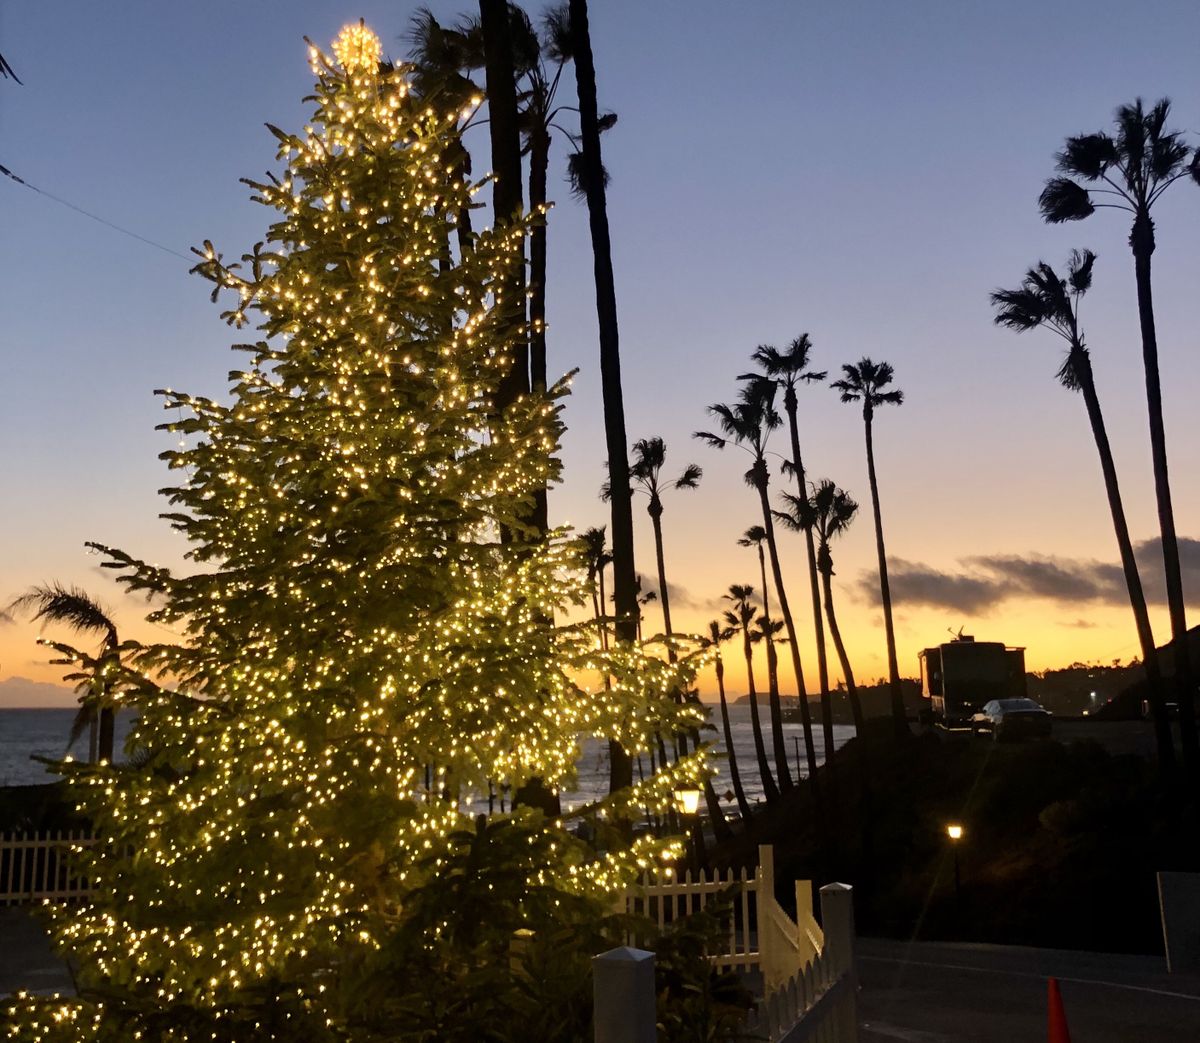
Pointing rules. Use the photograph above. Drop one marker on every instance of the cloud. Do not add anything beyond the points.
(984, 581)
(1079, 624)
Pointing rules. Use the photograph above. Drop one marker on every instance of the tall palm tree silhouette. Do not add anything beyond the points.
(755, 537)
(592, 166)
(787, 369)
(1131, 170)
(827, 513)
(76, 609)
(867, 382)
(748, 424)
(597, 557)
(716, 635)
(740, 618)
(1045, 300)
(649, 459)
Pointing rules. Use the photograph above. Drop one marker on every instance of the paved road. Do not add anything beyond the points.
(943, 992)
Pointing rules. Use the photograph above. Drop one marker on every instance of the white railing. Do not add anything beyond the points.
(761, 935)
(819, 1004)
(40, 866)
(810, 983)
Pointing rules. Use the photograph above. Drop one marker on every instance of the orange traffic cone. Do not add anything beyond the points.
(1056, 1023)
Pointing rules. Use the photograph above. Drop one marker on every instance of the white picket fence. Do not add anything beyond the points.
(39, 866)
(810, 984)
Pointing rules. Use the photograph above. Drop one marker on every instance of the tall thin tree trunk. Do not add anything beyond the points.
(621, 501)
(840, 647)
(770, 790)
(790, 406)
(539, 162)
(1133, 580)
(506, 167)
(735, 777)
(772, 655)
(789, 625)
(506, 203)
(899, 717)
(1141, 240)
(655, 511)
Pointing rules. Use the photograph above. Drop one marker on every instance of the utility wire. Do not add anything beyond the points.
(95, 217)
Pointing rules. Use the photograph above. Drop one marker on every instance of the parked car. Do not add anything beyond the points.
(1013, 719)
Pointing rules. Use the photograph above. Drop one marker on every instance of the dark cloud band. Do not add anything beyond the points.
(987, 580)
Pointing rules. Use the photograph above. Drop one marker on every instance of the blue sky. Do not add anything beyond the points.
(865, 172)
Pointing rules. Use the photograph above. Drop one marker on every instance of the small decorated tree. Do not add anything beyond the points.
(368, 639)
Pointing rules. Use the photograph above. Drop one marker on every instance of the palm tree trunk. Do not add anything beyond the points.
(790, 406)
(899, 717)
(1141, 239)
(840, 647)
(624, 579)
(506, 163)
(655, 512)
(735, 777)
(1133, 580)
(770, 790)
(790, 626)
(772, 657)
(539, 162)
(107, 728)
(93, 740)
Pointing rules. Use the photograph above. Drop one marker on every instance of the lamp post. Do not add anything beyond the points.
(687, 803)
(955, 832)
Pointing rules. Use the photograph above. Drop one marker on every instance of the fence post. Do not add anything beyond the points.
(764, 899)
(624, 1009)
(837, 916)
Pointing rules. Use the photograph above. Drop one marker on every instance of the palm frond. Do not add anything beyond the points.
(708, 438)
(1079, 270)
(752, 537)
(1019, 310)
(1088, 156)
(690, 478)
(1065, 200)
(6, 71)
(70, 606)
(556, 33)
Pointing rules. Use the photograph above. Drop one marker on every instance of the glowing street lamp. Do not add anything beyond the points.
(955, 832)
(687, 801)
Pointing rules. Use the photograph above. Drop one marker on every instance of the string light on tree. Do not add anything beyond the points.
(364, 658)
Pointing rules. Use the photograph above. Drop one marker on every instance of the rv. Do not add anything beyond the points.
(957, 678)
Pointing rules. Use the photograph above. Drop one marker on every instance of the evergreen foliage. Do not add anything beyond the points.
(296, 856)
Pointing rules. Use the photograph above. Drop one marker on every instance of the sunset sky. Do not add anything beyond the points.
(863, 172)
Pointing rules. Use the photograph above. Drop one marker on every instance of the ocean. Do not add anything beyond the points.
(26, 733)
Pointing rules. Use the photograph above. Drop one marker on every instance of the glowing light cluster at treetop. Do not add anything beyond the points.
(369, 638)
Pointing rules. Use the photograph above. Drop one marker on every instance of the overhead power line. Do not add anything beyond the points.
(95, 217)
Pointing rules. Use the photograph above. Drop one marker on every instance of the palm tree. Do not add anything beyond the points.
(756, 536)
(649, 458)
(82, 613)
(592, 166)
(741, 619)
(1047, 301)
(828, 513)
(441, 58)
(1131, 170)
(748, 425)
(866, 382)
(788, 368)
(717, 634)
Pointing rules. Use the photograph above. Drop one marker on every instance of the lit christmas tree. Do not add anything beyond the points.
(368, 648)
